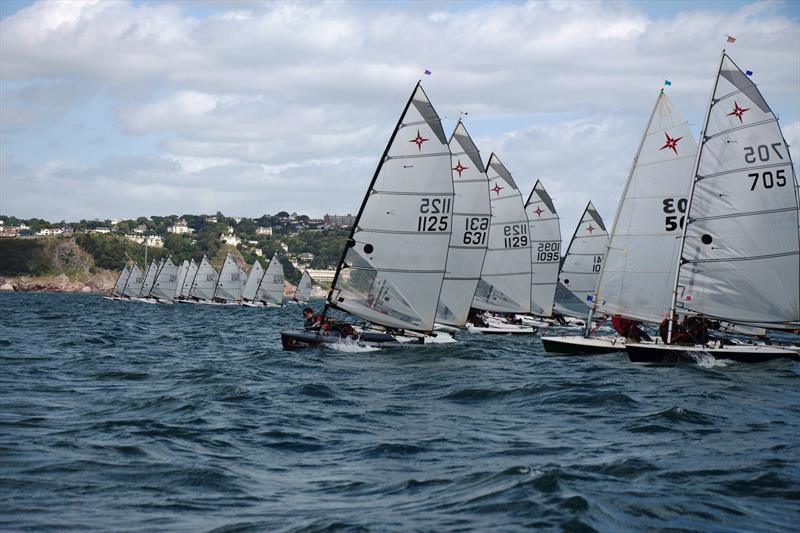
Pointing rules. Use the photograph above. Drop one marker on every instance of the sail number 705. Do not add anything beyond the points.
(435, 214)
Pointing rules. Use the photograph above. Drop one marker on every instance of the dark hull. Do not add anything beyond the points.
(664, 354)
(580, 346)
(298, 340)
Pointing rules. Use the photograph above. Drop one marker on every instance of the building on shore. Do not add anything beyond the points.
(343, 221)
(322, 275)
(266, 231)
(180, 228)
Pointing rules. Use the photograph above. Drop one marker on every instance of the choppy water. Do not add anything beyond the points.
(117, 416)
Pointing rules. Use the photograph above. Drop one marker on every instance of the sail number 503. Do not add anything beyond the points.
(435, 214)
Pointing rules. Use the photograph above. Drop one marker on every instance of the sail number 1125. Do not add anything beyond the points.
(435, 214)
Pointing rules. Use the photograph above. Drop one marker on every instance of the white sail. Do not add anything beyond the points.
(303, 291)
(505, 284)
(186, 286)
(271, 289)
(121, 281)
(638, 271)
(229, 284)
(253, 281)
(741, 250)
(242, 280)
(149, 279)
(134, 283)
(392, 270)
(470, 237)
(205, 280)
(182, 272)
(545, 234)
(584, 258)
(166, 281)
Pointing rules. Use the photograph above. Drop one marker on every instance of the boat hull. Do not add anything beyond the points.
(510, 329)
(298, 340)
(671, 354)
(579, 345)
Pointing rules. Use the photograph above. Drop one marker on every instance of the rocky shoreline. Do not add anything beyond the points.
(97, 283)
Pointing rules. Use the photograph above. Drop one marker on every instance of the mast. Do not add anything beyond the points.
(687, 221)
(616, 215)
(350, 242)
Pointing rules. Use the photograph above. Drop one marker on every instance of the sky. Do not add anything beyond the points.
(116, 109)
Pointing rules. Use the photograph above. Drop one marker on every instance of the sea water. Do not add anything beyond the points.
(128, 416)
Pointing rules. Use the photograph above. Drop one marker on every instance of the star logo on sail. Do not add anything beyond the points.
(459, 168)
(590, 229)
(497, 188)
(671, 143)
(418, 140)
(738, 111)
(539, 211)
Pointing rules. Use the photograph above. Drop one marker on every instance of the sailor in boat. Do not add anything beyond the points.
(476, 318)
(629, 329)
(693, 330)
(312, 321)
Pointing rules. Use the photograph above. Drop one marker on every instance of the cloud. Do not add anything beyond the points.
(260, 107)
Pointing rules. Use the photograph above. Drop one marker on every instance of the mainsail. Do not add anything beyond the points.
(270, 291)
(638, 271)
(470, 237)
(545, 232)
(229, 284)
(205, 280)
(149, 279)
(134, 283)
(505, 284)
(186, 286)
(740, 254)
(584, 258)
(303, 291)
(253, 281)
(166, 281)
(182, 272)
(121, 281)
(394, 261)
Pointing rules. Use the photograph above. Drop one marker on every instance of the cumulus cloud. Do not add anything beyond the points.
(258, 107)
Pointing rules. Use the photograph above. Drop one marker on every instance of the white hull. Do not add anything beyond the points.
(259, 304)
(499, 329)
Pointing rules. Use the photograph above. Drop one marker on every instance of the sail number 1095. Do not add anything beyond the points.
(435, 214)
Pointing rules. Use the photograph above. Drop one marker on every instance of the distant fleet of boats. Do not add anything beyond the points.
(164, 282)
(705, 236)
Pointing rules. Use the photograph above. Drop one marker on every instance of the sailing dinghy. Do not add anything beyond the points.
(391, 269)
(505, 284)
(635, 279)
(252, 284)
(302, 293)
(204, 281)
(119, 285)
(228, 290)
(188, 278)
(470, 236)
(166, 284)
(134, 284)
(740, 246)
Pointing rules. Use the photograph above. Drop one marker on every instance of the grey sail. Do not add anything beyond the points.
(740, 257)
(303, 291)
(271, 289)
(505, 284)
(584, 258)
(166, 281)
(392, 269)
(121, 281)
(638, 271)
(182, 272)
(253, 281)
(205, 280)
(186, 286)
(134, 284)
(149, 279)
(545, 233)
(229, 284)
(470, 236)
